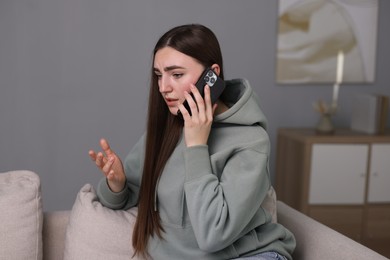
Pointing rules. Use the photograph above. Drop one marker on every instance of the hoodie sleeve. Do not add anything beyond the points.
(222, 210)
(128, 197)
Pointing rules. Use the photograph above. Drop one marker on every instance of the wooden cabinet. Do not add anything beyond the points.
(341, 180)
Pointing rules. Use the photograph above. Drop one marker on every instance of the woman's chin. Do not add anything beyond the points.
(174, 111)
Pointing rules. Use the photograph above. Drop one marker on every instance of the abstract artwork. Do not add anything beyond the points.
(313, 34)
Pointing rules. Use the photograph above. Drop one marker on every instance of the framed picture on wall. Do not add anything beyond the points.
(313, 33)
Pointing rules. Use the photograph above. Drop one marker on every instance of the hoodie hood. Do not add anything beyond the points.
(243, 103)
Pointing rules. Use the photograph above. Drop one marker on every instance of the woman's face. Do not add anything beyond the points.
(175, 72)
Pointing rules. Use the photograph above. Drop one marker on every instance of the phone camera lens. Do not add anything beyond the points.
(212, 80)
(206, 79)
(210, 73)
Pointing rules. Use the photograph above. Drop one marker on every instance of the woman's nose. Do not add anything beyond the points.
(165, 85)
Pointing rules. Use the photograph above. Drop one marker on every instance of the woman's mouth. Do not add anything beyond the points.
(171, 102)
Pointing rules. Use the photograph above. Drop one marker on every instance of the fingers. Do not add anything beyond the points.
(185, 110)
(191, 103)
(103, 163)
(100, 158)
(107, 167)
(200, 107)
(111, 166)
(207, 98)
(106, 147)
(203, 104)
(92, 154)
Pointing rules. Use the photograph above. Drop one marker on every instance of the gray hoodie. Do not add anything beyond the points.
(209, 196)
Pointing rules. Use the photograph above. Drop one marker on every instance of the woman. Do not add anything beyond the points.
(198, 179)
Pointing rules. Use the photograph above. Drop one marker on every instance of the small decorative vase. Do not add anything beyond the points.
(325, 125)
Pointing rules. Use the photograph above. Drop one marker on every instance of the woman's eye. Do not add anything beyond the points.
(177, 75)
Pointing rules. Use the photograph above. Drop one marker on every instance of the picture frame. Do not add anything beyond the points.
(312, 34)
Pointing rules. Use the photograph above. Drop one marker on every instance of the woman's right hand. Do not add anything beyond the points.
(111, 166)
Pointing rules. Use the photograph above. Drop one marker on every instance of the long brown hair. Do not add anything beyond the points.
(164, 129)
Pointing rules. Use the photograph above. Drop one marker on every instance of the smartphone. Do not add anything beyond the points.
(216, 84)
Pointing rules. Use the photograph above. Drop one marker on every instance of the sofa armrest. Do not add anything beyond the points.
(317, 241)
(53, 234)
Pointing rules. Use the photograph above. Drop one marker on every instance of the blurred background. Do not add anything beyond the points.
(74, 71)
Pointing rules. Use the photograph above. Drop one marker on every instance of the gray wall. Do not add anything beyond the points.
(73, 71)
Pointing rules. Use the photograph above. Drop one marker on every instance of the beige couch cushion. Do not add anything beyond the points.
(96, 232)
(21, 215)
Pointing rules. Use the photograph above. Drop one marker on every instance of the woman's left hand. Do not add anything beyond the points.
(197, 126)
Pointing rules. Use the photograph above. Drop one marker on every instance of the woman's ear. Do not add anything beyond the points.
(215, 67)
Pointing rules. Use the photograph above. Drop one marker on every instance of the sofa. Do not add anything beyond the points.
(87, 231)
